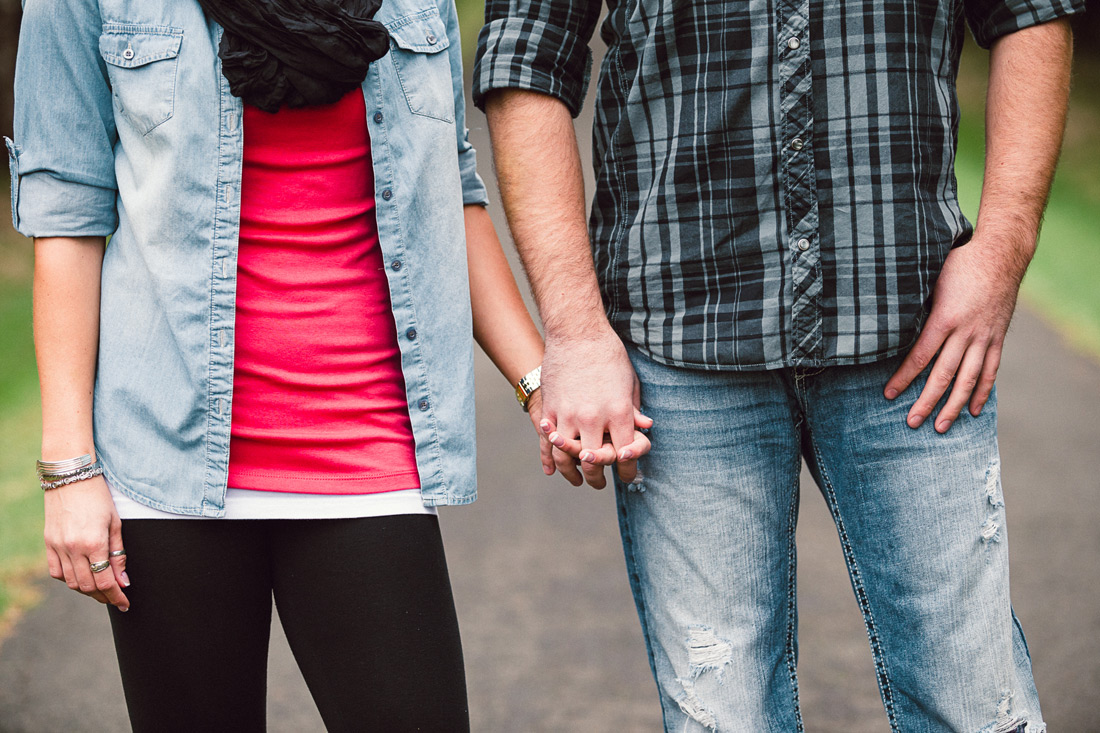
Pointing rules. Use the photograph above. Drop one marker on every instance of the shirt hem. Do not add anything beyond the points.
(375, 483)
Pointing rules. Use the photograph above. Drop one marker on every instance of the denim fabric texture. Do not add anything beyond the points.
(709, 538)
(125, 127)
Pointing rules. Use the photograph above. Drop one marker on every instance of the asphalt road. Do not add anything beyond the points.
(550, 635)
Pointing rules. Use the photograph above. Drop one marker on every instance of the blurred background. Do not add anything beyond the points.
(1060, 295)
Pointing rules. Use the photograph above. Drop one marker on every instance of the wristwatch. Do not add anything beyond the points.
(528, 385)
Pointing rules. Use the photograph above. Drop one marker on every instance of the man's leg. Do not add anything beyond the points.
(921, 520)
(708, 534)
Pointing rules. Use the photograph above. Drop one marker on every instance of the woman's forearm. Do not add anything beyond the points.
(502, 324)
(66, 337)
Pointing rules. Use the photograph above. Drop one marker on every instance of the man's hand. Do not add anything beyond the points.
(976, 290)
(590, 400)
(972, 305)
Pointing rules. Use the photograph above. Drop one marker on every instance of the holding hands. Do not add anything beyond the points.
(587, 416)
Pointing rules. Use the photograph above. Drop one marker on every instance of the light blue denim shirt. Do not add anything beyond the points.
(125, 127)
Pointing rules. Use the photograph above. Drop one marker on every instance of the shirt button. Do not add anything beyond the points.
(396, 265)
(128, 54)
(411, 334)
(387, 194)
(797, 144)
(423, 405)
(377, 116)
(793, 43)
(431, 39)
(803, 244)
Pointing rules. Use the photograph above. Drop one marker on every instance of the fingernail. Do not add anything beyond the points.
(626, 455)
(125, 580)
(547, 470)
(545, 425)
(556, 439)
(124, 609)
(588, 456)
(943, 426)
(915, 420)
(891, 393)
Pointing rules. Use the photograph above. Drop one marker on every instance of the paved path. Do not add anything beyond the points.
(551, 639)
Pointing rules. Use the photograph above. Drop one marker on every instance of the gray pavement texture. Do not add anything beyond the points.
(550, 635)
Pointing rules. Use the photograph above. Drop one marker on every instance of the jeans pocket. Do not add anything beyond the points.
(141, 65)
(424, 71)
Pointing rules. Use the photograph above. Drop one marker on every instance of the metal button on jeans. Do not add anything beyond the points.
(797, 144)
(803, 244)
(793, 43)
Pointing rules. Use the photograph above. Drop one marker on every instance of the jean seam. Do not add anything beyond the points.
(639, 596)
(883, 674)
(792, 607)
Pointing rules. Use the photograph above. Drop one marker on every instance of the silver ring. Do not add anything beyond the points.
(99, 567)
(118, 553)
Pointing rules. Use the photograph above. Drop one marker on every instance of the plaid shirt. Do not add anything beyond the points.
(774, 180)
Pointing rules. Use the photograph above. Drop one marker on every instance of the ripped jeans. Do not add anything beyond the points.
(709, 537)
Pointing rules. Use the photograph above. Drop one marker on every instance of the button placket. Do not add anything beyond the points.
(799, 178)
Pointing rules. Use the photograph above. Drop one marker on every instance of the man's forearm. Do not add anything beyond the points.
(539, 170)
(1025, 117)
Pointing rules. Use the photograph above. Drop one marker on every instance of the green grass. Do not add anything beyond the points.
(20, 428)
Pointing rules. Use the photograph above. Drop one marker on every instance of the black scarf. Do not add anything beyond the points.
(296, 53)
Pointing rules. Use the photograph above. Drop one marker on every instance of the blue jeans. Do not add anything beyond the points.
(709, 536)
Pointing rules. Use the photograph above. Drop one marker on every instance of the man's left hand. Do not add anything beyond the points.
(972, 305)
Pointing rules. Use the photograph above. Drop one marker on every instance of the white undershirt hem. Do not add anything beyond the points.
(248, 504)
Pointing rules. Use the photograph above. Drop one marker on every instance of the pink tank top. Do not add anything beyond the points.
(319, 401)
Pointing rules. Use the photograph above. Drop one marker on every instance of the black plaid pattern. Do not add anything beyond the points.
(774, 179)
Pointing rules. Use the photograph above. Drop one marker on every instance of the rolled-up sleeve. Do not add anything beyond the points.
(62, 158)
(539, 46)
(992, 19)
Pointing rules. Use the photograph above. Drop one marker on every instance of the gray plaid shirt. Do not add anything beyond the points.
(774, 180)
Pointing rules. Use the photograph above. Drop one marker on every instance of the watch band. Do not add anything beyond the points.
(528, 385)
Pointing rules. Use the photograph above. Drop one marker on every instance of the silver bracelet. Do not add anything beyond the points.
(54, 474)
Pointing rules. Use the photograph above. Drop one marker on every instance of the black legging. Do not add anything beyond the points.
(366, 605)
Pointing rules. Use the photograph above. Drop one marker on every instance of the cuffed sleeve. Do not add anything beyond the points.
(992, 19)
(63, 180)
(473, 188)
(539, 46)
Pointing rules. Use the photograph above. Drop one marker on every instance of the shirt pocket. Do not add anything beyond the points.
(423, 70)
(141, 65)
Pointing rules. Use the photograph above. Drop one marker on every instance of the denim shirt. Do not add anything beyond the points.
(125, 127)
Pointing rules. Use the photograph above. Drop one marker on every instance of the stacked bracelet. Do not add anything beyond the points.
(54, 474)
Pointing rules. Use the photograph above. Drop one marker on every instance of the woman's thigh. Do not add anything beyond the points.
(192, 649)
(367, 608)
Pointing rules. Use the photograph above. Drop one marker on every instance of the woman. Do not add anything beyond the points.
(263, 385)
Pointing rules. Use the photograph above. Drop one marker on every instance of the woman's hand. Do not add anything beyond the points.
(83, 527)
(546, 451)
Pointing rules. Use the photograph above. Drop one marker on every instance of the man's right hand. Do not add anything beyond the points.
(590, 407)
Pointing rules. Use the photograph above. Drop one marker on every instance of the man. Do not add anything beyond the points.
(778, 268)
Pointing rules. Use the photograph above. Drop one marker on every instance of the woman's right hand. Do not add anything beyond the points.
(83, 527)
